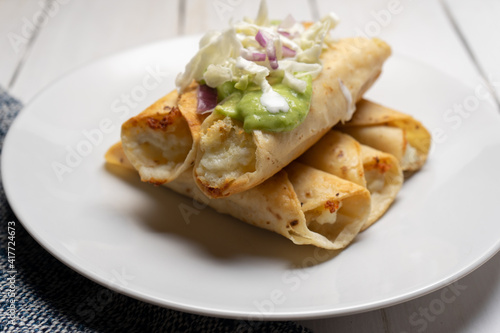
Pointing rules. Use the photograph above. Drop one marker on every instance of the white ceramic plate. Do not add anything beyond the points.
(132, 237)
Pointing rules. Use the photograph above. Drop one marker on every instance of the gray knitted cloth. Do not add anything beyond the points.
(43, 295)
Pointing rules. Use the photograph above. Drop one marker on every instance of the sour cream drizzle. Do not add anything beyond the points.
(270, 99)
(351, 108)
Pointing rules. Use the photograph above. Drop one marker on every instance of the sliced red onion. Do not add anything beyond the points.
(257, 56)
(271, 55)
(207, 99)
(284, 33)
(288, 52)
(267, 42)
(253, 56)
(261, 38)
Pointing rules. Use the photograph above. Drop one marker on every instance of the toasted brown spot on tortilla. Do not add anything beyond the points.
(163, 123)
(383, 167)
(294, 223)
(214, 191)
(332, 206)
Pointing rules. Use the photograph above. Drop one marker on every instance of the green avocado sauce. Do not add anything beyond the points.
(241, 101)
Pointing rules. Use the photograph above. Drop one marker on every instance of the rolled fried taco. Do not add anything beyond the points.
(159, 141)
(390, 131)
(333, 207)
(305, 205)
(384, 178)
(338, 154)
(341, 155)
(230, 158)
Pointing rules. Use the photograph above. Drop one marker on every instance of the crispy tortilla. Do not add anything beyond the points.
(230, 160)
(390, 131)
(305, 205)
(384, 178)
(341, 155)
(159, 141)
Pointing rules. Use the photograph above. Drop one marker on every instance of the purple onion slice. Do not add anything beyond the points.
(207, 99)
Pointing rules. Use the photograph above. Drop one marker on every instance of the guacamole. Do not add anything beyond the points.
(245, 105)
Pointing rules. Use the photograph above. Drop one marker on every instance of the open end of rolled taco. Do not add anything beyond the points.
(392, 140)
(390, 131)
(229, 153)
(340, 155)
(158, 140)
(384, 178)
(338, 221)
(334, 208)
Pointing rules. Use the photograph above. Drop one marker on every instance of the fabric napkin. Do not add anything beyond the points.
(43, 295)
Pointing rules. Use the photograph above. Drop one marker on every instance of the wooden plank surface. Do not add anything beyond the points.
(18, 24)
(204, 15)
(417, 29)
(84, 30)
(468, 305)
(482, 38)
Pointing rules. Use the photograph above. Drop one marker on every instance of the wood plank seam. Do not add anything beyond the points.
(313, 5)
(469, 51)
(26, 51)
(181, 23)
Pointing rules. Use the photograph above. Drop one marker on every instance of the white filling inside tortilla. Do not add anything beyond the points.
(410, 157)
(229, 152)
(375, 181)
(157, 148)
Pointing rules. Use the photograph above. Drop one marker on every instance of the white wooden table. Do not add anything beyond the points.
(40, 41)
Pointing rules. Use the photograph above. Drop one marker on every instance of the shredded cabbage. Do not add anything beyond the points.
(216, 50)
(239, 53)
(215, 75)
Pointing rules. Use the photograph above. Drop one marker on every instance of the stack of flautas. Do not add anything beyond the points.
(314, 184)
